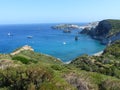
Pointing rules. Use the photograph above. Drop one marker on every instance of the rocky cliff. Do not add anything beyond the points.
(107, 31)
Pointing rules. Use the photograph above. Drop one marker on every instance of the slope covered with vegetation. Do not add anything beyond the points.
(115, 24)
(28, 70)
(108, 63)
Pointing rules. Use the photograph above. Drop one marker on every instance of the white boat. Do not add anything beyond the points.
(9, 34)
(29, 36)
(64, 43)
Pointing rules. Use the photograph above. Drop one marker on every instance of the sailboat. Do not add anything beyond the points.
(29, 37)
(9, 34)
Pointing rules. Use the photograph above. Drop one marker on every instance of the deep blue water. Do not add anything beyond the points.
(47, 41)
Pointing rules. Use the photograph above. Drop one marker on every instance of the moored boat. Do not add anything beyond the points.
(29, 37)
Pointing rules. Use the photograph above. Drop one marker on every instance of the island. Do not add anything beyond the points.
(65, 27)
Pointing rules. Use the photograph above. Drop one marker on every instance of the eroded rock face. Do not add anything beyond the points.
(111, 39)
(103, 28)
(101, 31)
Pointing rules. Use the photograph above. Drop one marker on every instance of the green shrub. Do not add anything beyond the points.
(25, 77)
(22, 59)
(57, 67)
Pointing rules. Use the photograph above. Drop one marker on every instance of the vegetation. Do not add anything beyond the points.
(108, 63)
(115, 26)
(22, 59)
(28, 70)
(113, 51)
(22, 78)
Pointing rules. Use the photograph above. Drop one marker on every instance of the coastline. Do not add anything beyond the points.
(95, 54)
(98, 53)
(68, 62)
(27, 47)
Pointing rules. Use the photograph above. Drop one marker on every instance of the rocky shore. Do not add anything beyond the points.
(98, 53)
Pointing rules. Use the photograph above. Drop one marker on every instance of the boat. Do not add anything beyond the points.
(9, 34)
(29, 37)
(64, 43)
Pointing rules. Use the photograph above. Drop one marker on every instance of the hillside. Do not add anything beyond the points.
(115, 24)
(28, 70)
(108, 63)
(107, 31)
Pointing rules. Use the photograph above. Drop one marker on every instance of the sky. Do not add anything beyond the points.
(55, 11)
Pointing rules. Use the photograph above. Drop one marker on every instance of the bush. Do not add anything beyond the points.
(57, 67)
(22, 59)
(110, 85)
(25, 77)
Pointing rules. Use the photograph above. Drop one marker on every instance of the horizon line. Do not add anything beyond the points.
(42, 23)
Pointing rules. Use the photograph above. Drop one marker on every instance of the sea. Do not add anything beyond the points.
(43, 39)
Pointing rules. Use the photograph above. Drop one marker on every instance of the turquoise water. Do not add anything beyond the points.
(48, 41)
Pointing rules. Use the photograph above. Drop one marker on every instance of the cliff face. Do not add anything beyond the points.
(102, 29)
(111, 39)
(106, 31)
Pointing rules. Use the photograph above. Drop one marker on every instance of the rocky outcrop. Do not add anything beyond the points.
(26, 47)
(101, 30)
(111, 39)
(106, 31)
(87, 28)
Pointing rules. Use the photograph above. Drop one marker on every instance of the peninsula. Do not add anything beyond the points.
(107, 31)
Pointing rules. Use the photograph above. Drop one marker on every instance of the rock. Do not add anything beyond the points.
(85, 31)
(87, 28)
(66, 31)
(102, 29)
(76, 38)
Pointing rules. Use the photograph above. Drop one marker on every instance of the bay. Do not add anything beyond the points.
(47, 41)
